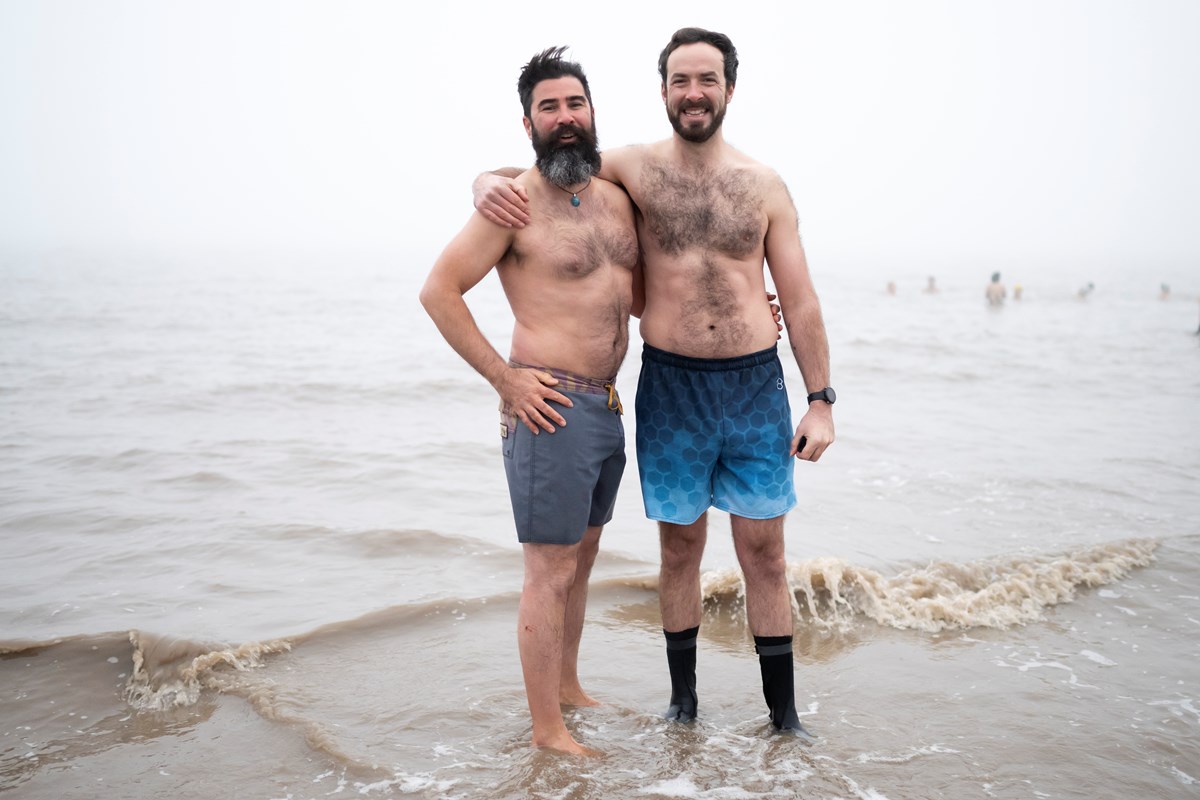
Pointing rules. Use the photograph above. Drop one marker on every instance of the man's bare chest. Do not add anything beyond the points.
(719, 211)
(576, 244)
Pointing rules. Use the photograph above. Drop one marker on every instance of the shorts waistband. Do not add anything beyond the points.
(650, 353)
(569, 381)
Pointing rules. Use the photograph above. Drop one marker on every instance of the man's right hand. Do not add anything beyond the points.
(501, 200)
(527, 392)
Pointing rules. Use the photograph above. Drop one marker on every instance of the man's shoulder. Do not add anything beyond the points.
(612, 191)
(606, 185)
(628, 151)
(631, 155)
(527, 178)
(740, 160)
(768, 180)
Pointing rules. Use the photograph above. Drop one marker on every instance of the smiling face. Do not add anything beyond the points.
(695, 92)
(559, 112)
(562, 128)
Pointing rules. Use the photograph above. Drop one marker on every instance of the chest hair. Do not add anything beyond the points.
(578, 242)
(719, 211)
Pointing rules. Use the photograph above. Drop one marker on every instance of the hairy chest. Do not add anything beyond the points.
(577, 244)
(720, 210)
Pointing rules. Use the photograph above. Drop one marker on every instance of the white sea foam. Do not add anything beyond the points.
(1099, 659)
(994, 593)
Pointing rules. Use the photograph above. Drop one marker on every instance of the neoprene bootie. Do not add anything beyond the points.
(681, 659)
(778, 681)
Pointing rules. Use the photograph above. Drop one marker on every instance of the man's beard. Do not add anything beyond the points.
(696, 135)
(569, 164)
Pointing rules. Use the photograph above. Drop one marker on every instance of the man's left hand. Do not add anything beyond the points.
(816, 432)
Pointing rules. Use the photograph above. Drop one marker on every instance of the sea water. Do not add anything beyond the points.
(256, 542)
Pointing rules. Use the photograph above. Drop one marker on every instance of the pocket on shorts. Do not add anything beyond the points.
(508, 430)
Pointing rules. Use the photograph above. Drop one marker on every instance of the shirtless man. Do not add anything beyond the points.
(995, 292)
(713, 421)
(568, 277)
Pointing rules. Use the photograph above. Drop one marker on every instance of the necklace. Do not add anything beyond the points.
(575, 195)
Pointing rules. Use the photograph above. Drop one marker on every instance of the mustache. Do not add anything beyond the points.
(567, 128)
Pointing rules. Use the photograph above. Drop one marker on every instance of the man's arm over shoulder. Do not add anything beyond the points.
(619, 164)
(505, 202)
(801, 315)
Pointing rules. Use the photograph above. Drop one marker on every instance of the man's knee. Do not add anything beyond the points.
(682, 545)
(551, 569)
(759, 545)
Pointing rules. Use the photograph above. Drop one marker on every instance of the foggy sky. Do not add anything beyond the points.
(915, 130)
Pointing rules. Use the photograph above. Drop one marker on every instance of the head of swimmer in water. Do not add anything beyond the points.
(559, 118)
(698, 68)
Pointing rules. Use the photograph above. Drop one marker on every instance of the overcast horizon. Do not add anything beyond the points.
(1059, 130)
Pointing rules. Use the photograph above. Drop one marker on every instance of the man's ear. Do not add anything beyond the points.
(528, 127)
(729, 93)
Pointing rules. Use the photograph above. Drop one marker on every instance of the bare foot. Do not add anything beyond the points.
(567, 744)
(575, 696)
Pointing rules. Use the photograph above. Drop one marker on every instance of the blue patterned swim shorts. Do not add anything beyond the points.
(713, 432)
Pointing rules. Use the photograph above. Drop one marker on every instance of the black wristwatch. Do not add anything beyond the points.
(827, 394)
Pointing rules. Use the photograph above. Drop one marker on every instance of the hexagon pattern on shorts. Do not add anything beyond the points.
(713, 437)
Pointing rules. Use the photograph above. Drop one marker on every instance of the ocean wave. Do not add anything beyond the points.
(169, 672)
(992, 593)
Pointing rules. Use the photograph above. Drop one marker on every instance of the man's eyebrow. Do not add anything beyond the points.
(570, 99)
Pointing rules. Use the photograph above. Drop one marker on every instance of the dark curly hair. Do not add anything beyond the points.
(548, 65)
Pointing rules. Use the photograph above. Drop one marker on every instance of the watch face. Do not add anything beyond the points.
(830, 395)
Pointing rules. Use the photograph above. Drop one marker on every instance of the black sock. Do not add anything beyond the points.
(681, 659)
(778, 680)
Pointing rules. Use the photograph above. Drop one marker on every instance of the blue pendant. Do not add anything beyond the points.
(575, 200)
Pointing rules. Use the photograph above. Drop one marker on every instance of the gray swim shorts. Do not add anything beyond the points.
(564, 482)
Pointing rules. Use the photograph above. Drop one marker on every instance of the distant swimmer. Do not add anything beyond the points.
(995, 291)
(1164, 292)
(1017, 290)
(568, 276)
(1084, 291)
(891, 287)
(931, 287)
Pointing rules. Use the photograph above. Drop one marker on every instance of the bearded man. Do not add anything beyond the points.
(568, 276)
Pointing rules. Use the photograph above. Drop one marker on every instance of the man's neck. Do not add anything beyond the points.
(698, 153)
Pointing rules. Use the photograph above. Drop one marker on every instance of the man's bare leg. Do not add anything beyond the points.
(569, 690)
(549, 573)
(681, 548)
(759, 547)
